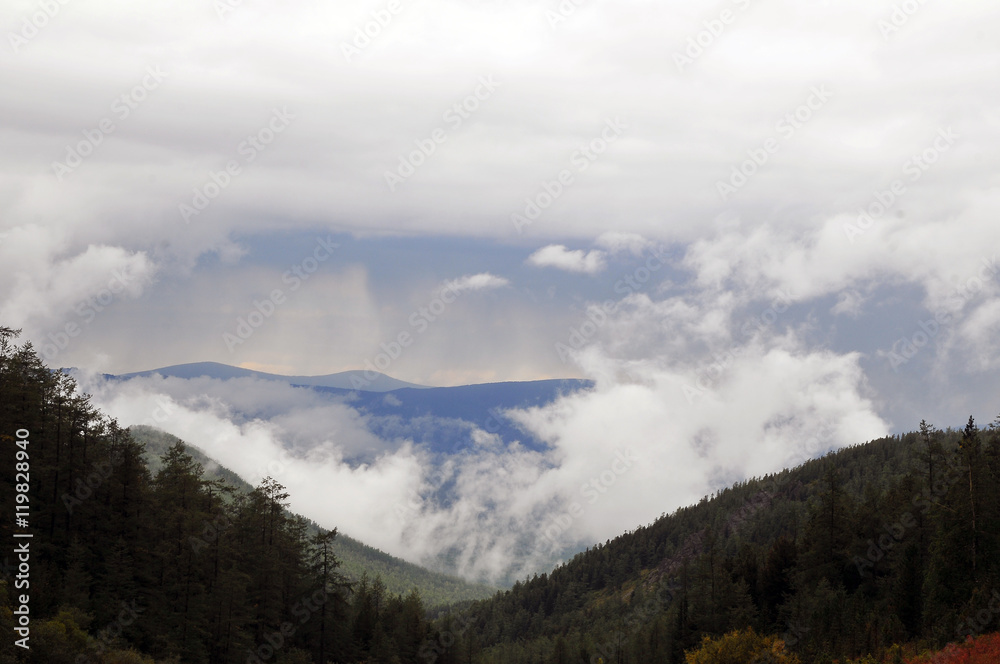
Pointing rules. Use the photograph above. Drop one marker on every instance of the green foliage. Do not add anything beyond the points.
(355, 558)
(175, 564)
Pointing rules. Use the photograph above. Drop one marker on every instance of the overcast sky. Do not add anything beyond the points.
(751, 222)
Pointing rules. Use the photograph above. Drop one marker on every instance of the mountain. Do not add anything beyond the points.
(440, 423)
(348, 380)
(440, 418)
(874, 554)
(886, 549)
(111, 563)
(356, 558)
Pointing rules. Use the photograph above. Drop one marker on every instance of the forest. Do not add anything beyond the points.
(875, 553)
(882, 552)
(132, 566)
(356, 558)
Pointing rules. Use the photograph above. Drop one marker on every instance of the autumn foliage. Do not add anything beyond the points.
(981, 650)
(741, 647)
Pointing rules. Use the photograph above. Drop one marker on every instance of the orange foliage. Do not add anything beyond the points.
(982, 650)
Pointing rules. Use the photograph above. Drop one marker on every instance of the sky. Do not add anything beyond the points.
(754, 224)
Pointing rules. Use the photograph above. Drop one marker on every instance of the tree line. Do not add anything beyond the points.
(857, 554)
(134, 566)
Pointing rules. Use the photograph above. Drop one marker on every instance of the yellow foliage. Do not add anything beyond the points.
(60, 640)
(741, 647)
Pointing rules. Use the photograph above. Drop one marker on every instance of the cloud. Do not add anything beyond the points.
(558, 256)
(688, 399)
(849, 303)
(355, 119)
(44, 281)
(475, 282)
(697, 414)
(385, 492)
(618, 242)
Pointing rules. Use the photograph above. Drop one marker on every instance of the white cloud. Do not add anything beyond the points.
(558, 256)
(618, 242)
(475, 282)
(849, 303)
(978, 338)
(699, 414)
(43, 282)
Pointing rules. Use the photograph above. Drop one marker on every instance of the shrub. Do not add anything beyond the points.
(741, 647)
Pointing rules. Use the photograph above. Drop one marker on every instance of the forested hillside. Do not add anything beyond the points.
(174, 565)
(888, 543)
(356, 558)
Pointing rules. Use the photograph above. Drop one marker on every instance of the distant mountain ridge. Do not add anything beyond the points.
(346, 380)
(438, 417)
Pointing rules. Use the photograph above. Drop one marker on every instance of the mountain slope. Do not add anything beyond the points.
(118, 566)
(356, 557)
(348, 380)
(888, 542)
